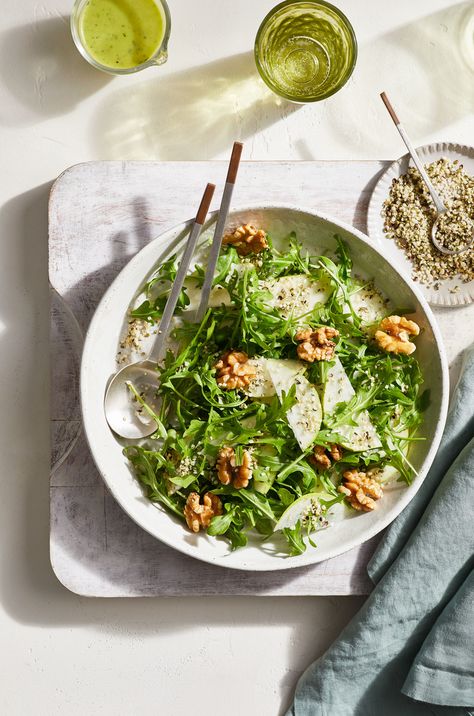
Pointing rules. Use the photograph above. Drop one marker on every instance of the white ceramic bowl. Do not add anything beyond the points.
(316, 231)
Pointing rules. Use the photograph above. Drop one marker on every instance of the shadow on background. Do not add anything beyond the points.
(29, 591)
(24, 357)
(44, 72)
(441, 88)
(198, 113)
(438, 50)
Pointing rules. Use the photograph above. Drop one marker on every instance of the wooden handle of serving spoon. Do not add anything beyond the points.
(205, 203)
(159, 348)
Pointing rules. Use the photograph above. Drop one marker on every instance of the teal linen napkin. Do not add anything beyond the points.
(410, 650)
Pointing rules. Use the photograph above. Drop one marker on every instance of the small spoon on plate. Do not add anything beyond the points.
(439, 204)
(135, 385)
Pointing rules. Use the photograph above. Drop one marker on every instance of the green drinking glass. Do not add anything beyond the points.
(305, 51)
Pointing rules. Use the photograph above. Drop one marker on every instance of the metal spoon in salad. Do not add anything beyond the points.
(443, 219)
(130, 397)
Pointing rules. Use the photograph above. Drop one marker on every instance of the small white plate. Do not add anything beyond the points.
(428, 153)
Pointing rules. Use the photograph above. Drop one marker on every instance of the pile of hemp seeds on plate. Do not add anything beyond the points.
(409, 215)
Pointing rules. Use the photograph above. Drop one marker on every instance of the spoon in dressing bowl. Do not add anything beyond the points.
(130, 399)
(441, 209)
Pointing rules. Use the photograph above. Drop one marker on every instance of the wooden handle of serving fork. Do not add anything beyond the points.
(234, 163)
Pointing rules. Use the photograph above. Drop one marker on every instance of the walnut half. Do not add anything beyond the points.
(394, 334)
(234, 370)
(247, 240)
(361, 491)
(200, 515)
(323, 457)
(228, 472)
(317, 344)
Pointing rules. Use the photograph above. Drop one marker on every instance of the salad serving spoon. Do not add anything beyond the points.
(437, 201)
(130, 398)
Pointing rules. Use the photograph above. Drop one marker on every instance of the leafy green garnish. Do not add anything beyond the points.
(197, 416)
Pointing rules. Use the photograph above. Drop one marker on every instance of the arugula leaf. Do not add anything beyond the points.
(219, 525)
(295, 539)
(197, 417)
(184, 481)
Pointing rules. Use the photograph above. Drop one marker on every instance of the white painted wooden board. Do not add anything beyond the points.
(101, 214)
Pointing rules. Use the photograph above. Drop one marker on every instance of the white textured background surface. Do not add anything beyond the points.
(63, 654)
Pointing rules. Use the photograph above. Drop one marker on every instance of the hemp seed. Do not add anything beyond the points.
(409, 215)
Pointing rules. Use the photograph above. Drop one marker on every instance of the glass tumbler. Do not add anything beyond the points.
(305, 50)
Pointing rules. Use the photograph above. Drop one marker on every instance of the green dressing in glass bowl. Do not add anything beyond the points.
(121, 36)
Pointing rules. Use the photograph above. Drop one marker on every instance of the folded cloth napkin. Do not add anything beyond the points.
(410, 649)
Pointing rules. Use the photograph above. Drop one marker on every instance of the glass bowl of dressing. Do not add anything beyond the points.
(121, 36)
(305, 50)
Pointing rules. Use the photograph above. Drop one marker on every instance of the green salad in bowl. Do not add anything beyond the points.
(297, 397)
